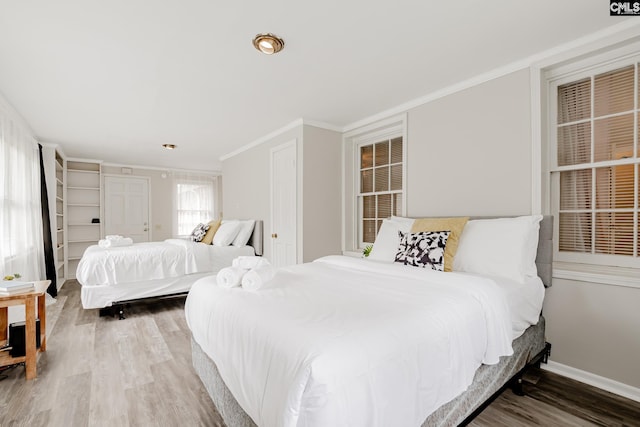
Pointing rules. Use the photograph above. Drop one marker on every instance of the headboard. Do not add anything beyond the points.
(256, 239)
(544, 258)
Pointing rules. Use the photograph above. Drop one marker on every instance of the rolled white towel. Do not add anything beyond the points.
(113, 237)
(230, 277)
(125, 241)
(250, 262)
(112, 243)
(256, 278)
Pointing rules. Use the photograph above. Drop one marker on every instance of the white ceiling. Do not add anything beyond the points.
(113, 80)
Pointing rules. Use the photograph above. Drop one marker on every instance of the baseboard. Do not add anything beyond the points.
(603, 383)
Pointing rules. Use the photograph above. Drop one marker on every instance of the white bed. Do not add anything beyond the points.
(153, 269)
(352, 342)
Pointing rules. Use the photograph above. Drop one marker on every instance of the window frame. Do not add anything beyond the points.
(379, 132)
(568, 74)
(176, 211)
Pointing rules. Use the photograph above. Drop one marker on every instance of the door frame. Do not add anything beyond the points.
(280, 147)
(104, 200)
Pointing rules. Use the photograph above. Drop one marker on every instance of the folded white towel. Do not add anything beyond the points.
(112, 243)
(256, 278)
(113, 237)
(230, 277)
(250, 262)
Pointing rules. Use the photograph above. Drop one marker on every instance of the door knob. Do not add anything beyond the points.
(274, 235)
(146, 229)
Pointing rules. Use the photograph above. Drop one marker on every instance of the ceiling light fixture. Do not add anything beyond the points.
(169, 146)
(268, 43)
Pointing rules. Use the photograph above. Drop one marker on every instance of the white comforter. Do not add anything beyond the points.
(350, 342)
(152, 260)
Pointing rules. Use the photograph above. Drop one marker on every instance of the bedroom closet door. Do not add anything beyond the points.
(283, 205)
(126, 207)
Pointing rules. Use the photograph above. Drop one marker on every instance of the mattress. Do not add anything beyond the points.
(343, 341)
(153, 261)
(107, 295)
(525, 302)
(488, 380)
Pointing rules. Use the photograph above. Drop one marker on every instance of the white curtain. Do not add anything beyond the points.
(193, 200)
(21, 241)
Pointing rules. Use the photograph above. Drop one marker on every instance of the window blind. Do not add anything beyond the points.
(380, 190)
(597, 162)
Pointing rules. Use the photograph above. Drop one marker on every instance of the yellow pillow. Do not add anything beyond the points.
(454, 225)
(213, 227)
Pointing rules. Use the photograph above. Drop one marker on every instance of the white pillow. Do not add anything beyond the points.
(505, 247)
(388, 239)
(227, 231)
(246, 228)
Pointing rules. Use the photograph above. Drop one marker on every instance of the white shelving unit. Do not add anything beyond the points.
(83, 209)
(59, 230)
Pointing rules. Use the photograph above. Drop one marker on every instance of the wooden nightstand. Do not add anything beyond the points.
(29, 300)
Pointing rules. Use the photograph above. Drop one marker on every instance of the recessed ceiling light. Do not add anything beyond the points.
(268, 43)
(169, 146)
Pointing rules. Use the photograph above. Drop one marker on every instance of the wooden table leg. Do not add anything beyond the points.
(42, 315)
(3, 323)
(30, 337)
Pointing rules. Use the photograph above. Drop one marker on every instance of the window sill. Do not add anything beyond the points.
(606, 275)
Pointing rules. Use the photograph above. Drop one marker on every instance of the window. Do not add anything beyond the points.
(595, 176)
(380, 192)
(194, 202)
(21, 240)
(374, 179)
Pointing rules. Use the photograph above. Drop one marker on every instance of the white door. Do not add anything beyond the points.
(126, 207)
(283, 205)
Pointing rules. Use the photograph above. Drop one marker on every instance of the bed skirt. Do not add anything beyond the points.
(487, 381)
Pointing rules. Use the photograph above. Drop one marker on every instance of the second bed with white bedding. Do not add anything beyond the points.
(344, 341)
(150, 269)
(153, 260)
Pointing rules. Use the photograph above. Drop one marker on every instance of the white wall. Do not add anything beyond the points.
(595, 328)
(322, 180)
(245, 183)
(470, 153)
(246, 189)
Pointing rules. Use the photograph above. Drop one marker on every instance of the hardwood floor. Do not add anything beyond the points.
(554, 400)
(137, 372)
(104, 371)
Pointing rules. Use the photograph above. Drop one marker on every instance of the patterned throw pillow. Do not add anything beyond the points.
(198, 233)
(423, 249)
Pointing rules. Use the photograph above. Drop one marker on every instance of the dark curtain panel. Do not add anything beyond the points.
(46, 231)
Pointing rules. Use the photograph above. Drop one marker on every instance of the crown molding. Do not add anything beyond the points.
(160, 168)
(55, 146)
(609, 36)
(606, 37)
(280, 131)
(80, 159)
(323, 125)
(263, 139)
